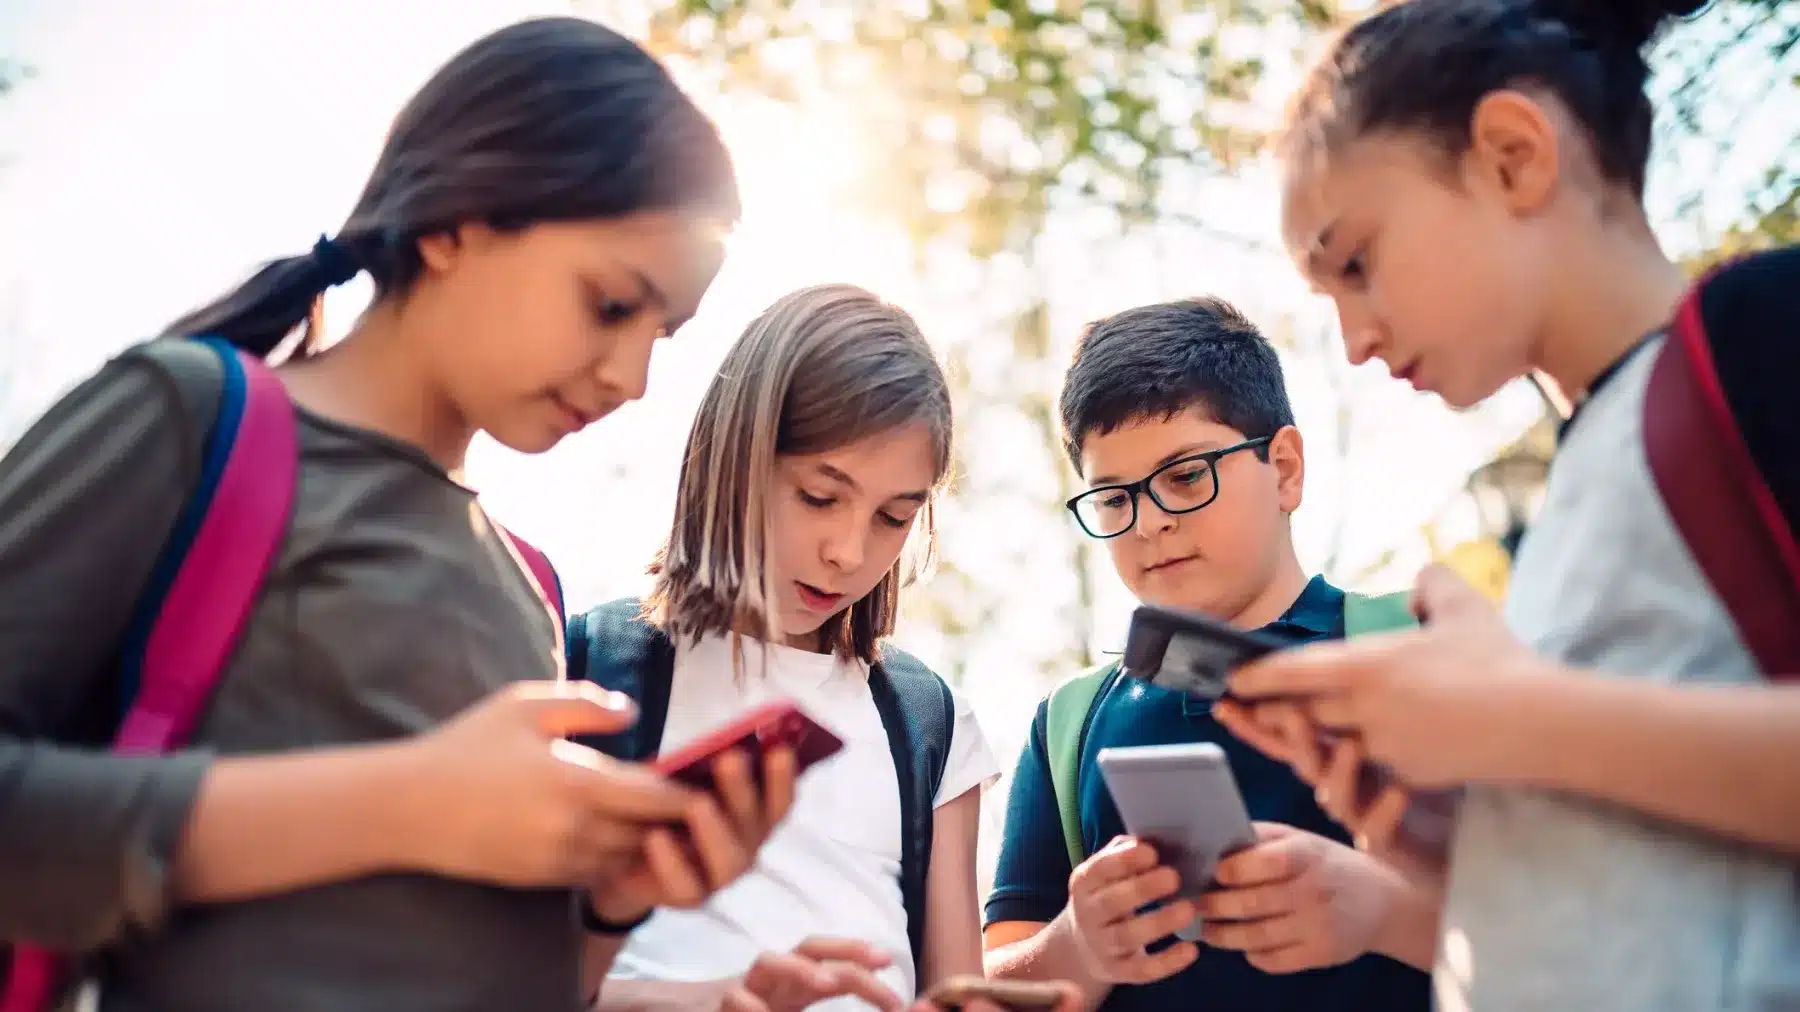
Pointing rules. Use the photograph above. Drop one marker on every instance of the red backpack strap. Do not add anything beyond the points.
(543, 574)
(1718, 498)
(220, 552)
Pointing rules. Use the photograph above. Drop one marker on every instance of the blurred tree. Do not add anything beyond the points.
(990, 116)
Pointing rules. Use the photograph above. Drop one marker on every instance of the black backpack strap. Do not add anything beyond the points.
(919, 716)
(613, 647)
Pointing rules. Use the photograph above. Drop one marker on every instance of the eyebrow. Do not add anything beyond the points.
(1190, 450)
(840, 477)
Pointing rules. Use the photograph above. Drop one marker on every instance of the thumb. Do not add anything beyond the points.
(1440, 594)
(1267, 832)
(556, 709)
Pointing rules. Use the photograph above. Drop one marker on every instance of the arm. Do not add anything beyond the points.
(1410, 932)
(953, 911)
(1029, 935)
(1718, 758)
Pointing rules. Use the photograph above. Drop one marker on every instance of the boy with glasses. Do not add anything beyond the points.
(1177, 417)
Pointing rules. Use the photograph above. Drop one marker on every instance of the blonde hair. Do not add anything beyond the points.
(822, 368)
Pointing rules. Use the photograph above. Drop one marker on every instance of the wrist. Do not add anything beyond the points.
(1408, 932)
(403, 808)
(1066, 949)
(604, 914)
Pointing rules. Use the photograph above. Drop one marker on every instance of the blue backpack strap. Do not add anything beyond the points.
(919, 715)
(615, 648)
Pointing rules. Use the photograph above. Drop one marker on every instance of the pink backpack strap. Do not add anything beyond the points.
(1717, 497)
(244, 503)
(543, 574)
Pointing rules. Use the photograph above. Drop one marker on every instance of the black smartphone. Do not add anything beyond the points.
(1189, 652)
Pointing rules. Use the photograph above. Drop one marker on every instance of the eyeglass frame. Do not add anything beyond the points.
(1143, 486)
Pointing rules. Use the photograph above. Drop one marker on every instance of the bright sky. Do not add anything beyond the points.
(164, 149)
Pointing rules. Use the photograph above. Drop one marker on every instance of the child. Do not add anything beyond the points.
(813, 459)
(370, 814)
(1178, 420)
(1465, 180)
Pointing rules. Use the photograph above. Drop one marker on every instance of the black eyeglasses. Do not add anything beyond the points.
(1180, 486)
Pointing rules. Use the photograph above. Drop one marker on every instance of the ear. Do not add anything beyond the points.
(440, 252)
(1287, 454)
(1513, 150)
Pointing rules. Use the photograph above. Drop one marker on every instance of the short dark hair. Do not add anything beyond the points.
(1424, 65)
(550, 119)
(1158, 361)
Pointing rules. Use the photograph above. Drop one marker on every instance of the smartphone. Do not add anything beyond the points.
(953, 993)
(1189, 652)
(1185, 802)
(768, 726)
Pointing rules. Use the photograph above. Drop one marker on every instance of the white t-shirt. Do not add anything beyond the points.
(833, 867)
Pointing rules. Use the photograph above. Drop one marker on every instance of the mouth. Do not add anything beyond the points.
(1164, 565)
(574, 419)
(1409, 373)
(816, 599)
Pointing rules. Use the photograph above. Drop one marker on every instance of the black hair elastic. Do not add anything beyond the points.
(337, 262)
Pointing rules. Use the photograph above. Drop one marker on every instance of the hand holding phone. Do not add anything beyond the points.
(773, 725)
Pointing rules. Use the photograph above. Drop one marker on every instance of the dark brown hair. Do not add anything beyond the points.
(1424, 65)
(552, 119)
(822, 368)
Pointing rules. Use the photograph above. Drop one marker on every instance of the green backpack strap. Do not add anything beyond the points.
(1365, 613)
(1065, 715)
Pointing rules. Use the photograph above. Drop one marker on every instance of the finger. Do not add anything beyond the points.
(1119, 900)
(1339, 790)
(785, 973)
(613, 789)
(1380, 825)
(1319, 669)
(556, 709)
(1258, 726)
(844, 950)
(1309, 749)
(1256, 936)
(860, 983)
(1286, 959)
(780, 768)
(1335, 714)
(722, 857)
(609, 841)
(735, 783)
(1145, 968)
(1275, 859)
(1440, 594)
(1253, 903)
(1121, 859)
(680, 883)
(1070, 999)
(1129, 937)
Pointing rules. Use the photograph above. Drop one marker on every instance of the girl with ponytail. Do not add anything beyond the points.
(375, 811)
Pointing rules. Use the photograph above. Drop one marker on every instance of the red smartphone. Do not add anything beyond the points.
(768, 726)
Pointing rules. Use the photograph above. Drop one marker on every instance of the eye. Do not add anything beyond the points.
(1190, 475)
(1355, 272)
(1113, 501)
(817, 502)
(893, 521)
(612, 312)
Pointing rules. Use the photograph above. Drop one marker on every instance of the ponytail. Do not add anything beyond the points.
(259, 314)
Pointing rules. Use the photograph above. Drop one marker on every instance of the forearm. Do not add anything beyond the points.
(630, 995)
(275, 824)
(1409, 934)
(1717, 758)
(1053, 953)
(597, 956)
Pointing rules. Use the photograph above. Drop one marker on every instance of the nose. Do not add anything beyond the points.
(1151, 518)
(844, 548)
(1362, 337)
(625, 368)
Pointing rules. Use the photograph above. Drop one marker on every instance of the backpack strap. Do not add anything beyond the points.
(543, 577)
(1065, 725)
(192, 612)
(615, 648)
(1365, 613)
(1716, 496)
(919, 715)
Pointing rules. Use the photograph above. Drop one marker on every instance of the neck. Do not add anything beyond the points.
(374, 379)
(1617, 292)
(1278, 596)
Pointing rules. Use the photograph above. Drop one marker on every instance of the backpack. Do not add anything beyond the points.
(193, 609)
(1067, 711)
(614, 647)
(1714, 397)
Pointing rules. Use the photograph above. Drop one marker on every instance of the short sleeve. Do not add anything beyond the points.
(971, 762)
(1031, 878)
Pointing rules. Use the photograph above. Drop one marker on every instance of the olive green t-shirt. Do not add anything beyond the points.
(394, 603)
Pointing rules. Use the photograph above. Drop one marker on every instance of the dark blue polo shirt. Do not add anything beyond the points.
(1031, 882)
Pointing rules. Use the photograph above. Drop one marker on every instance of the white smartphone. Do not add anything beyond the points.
(1183, 799)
